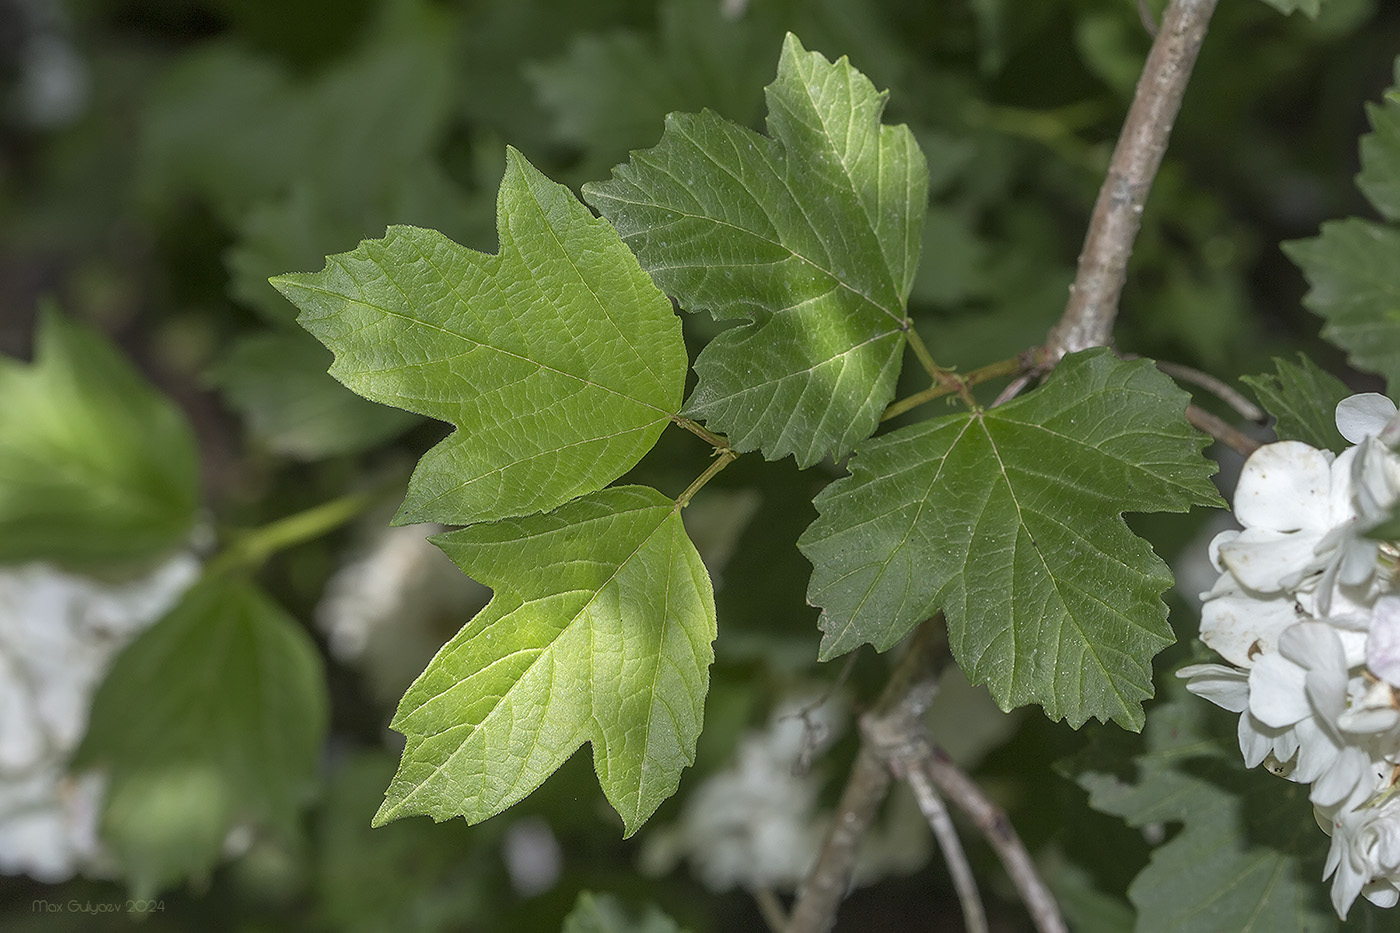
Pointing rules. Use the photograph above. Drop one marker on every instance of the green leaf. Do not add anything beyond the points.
(604, 913)
(1353, 265)
(232, 126)
(1248, 856)
(600, 631)
(213, 715)
(812, 235)
(558, 359)
(95, 465)
(1010, 522)
(1303, 398)
(609, 92)
(1353, 273)
(277, 381)
(1380, 154)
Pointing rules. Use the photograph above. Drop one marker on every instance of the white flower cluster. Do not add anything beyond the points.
(1307, 613)
(59, 633)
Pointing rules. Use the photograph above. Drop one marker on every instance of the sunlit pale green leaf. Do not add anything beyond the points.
(1303, 398)
(811, 234)
(95, 465)
(1353, 265)
(600, 631)
(1248, 853)
(558, 359)
(1010, 521)
(215, 714)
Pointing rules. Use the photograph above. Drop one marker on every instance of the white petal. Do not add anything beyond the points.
(1363, 416)
(1284, 487)
(1240, 626)
(1276, 692)
(1264, 560)
(1313, 645)
(1383, 642)
(1223, 686)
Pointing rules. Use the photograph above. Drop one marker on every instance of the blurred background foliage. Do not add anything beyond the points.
(159, 159)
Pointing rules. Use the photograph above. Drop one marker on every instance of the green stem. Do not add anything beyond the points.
(252, 547)
(916, 343)
(726, 457)
(717, 441)
(949, 382)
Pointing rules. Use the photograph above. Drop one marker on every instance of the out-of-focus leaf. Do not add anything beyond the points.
(233, 127)
(215, 714)
(96, 466)
(604, 913)
(610, 93)
(1309, 8)
(278, 382)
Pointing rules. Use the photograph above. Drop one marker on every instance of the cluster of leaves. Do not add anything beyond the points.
(811, 250)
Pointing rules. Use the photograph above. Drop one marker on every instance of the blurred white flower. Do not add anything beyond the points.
(59, 634)
(388, 610)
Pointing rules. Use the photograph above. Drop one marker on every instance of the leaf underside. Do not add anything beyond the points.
(810, 234)
(558, 359)
(1248, 854)
(1010, 522)
(600, 630)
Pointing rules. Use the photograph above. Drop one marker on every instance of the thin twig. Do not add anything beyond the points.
(1145, 14)
(991, 821)
(829, 879)
(717, 441)
(939, 820)
(726, 457)
(771, 909)
(1093, 298)
(825, 886)
(1220, 429)
(1217, 387)
(949, 382)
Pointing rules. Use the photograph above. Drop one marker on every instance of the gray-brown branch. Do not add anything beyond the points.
(1103, 264)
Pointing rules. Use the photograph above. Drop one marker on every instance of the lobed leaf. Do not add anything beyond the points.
(1303, 399)
(96, 466)
(600, 631)
(1353, 265)
(811, 234)
(1248, 856)
(1010, 522)
(557, 359)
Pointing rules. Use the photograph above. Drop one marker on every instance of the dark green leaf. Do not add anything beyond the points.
(1248, 855)
(1010, 521)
